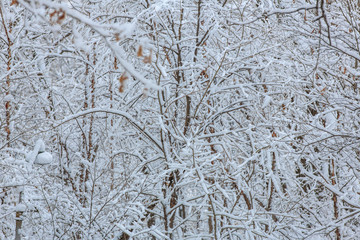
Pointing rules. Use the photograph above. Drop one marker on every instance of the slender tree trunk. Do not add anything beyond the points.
(7, 84)
(111, 129)
(92, 101)
(18, 223)
(334, 198)
(272, 190)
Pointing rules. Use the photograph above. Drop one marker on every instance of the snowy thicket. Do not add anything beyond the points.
(155, 119)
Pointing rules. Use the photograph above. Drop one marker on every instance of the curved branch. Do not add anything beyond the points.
(115, 112)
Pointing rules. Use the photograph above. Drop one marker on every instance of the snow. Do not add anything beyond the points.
(267, 101)
(38, 155)
(40, 146)
(8, 98)
(30, 157)
(120, 161)
(20, 208)
(43, 158)
(79, 41)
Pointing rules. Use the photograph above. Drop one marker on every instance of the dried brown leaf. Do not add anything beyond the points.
(14, 2)
(140, 51)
